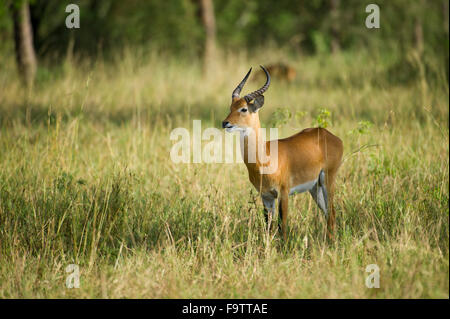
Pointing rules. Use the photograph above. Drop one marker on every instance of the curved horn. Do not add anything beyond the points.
(238, 89)
(263, 89)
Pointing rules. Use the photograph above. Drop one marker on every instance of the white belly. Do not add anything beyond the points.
(302, 187)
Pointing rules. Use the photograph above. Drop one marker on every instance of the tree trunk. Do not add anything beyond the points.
(445, 12)
(418, 36)
(23, 39)
(418, 27)
(209, 24)
(335, 46)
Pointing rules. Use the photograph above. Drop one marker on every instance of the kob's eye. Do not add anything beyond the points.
(244, 110)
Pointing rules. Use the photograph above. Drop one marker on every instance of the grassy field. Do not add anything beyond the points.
(86, 178)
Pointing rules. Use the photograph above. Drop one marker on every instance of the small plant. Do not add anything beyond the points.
(283, 115)
(362, 128)
(280, 117)
(323, 119)
(64, 181)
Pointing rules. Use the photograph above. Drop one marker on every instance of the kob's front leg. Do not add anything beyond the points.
(269, 208)
(283, 212)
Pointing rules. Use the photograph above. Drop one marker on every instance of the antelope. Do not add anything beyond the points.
(281, 71)
(306, 161)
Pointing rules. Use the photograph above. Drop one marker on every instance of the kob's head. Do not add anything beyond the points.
(244, 111)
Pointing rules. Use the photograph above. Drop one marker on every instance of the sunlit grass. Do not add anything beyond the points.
(86, 178)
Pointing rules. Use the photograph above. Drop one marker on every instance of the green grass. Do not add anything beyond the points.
(86, 178)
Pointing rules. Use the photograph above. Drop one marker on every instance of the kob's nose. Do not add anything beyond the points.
(224, 124)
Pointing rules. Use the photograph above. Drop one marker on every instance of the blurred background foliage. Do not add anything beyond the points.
(306, 26)
(85, 174)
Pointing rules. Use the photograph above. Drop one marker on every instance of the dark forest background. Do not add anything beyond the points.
(196, 28)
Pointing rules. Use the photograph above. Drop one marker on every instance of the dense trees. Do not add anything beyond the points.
(307, 26)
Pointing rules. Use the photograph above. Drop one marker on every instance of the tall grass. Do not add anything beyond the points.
(86, 178)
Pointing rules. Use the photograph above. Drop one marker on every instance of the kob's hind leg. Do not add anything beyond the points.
(319, 193)
(323, 193)
(331, 221)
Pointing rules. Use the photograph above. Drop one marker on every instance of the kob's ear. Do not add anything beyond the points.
(257, 103)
